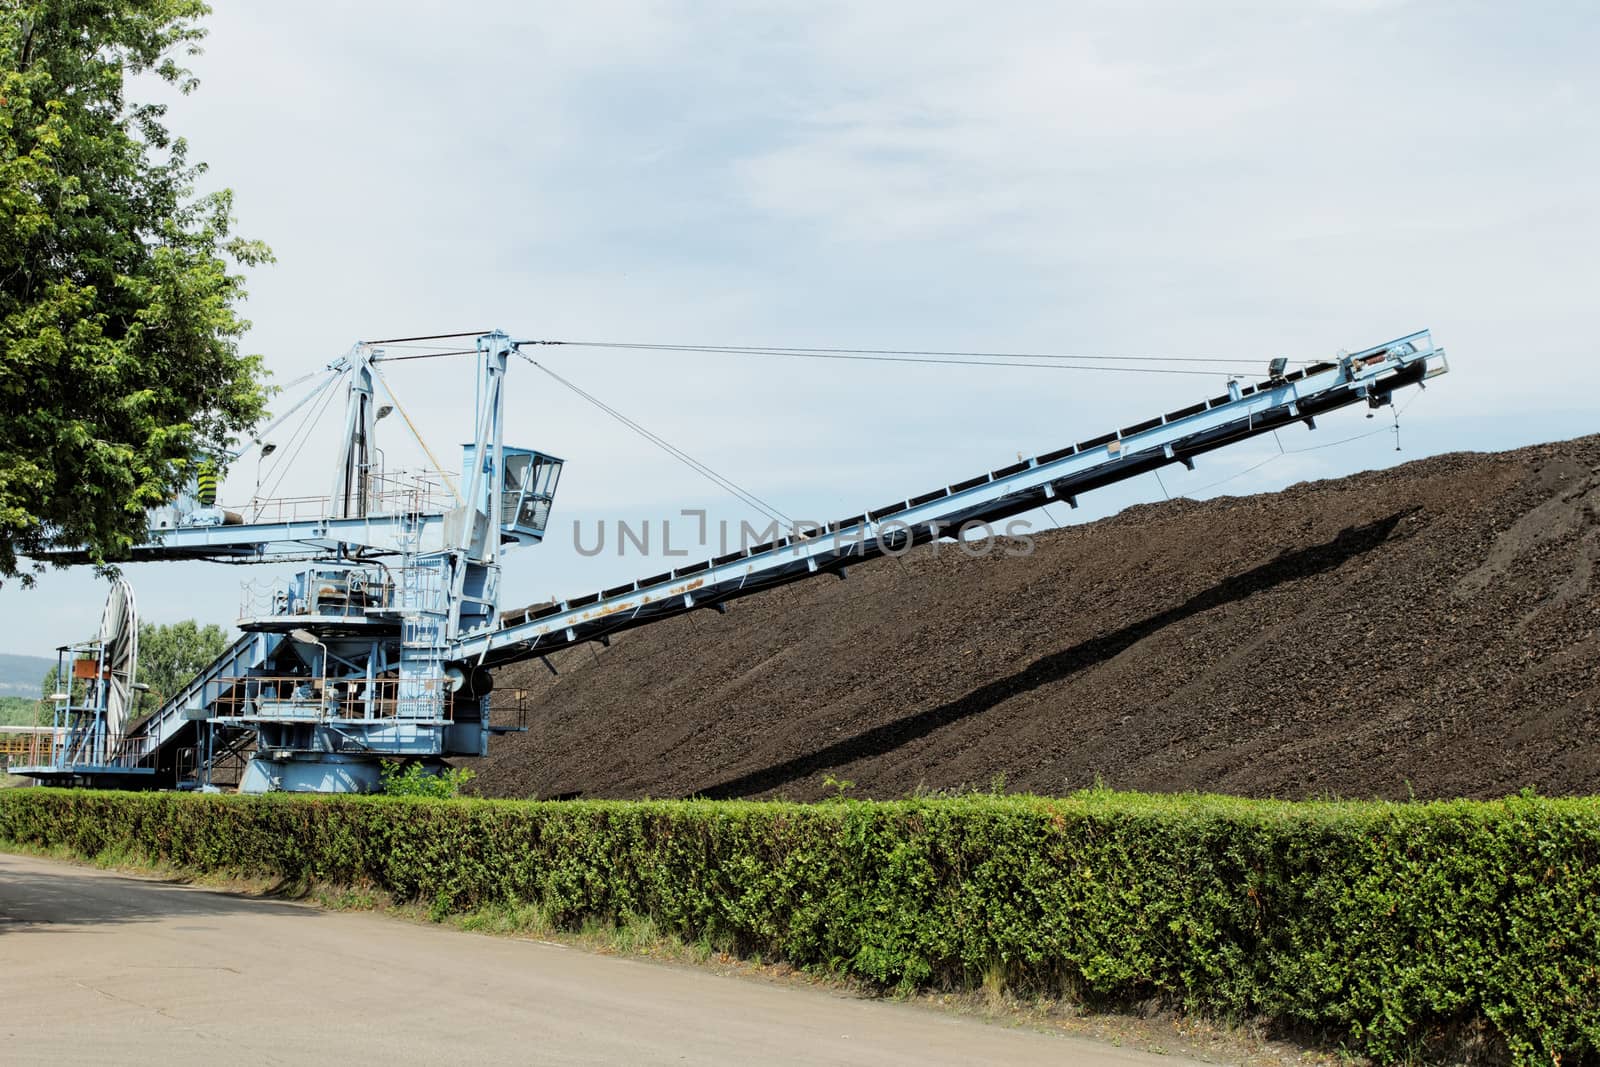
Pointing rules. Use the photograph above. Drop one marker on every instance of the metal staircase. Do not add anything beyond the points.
(164, 731)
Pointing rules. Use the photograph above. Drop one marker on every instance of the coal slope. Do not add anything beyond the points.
(1427, 631)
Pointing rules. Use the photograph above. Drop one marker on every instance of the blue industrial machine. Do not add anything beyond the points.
(380, 648)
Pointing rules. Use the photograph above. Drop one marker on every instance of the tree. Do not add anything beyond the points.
(20, 711)
(170, 655)
(119, 336)
(47, 691)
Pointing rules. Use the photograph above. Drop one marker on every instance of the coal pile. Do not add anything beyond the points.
(1431, 630)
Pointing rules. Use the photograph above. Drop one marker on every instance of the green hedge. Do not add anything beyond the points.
(1379, 925)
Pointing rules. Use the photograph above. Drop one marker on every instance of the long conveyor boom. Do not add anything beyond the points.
(1245, 411)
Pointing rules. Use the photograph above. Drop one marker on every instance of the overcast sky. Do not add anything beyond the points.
(1241, 180)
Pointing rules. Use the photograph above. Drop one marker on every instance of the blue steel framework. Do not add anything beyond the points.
(93, 693)
(382, 648)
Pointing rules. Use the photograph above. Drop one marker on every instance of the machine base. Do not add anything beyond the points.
(312, 772)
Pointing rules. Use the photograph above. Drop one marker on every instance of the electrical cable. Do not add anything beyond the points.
(1231, 477)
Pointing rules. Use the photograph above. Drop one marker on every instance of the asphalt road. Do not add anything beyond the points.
(103, 968)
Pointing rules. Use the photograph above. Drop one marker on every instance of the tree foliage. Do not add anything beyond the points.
(119, 334)
(20, 711)
(52, 684)
(171, 654)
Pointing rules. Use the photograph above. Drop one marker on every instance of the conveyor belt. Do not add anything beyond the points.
(1244, 412)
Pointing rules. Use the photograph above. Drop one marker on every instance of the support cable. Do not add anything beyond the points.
(1395, 429)
(303, 378)
(300, 427)
(417, 434)
(311, 421)
(257, 437)
(1037, 360)
(427, 337)
(954, 359)
(792, 350)
(425, 355)
(723, 482)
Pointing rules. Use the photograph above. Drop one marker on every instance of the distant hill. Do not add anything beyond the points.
(21, 676)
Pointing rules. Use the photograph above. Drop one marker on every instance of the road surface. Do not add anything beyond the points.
(103, 968)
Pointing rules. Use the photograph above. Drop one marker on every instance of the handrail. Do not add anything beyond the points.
(295, 697)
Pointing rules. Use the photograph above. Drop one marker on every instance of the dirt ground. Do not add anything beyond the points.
(1427, 631)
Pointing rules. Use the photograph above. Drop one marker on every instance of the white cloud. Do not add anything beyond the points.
(1245, 179)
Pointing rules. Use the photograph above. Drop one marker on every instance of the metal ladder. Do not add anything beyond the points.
(423, 624)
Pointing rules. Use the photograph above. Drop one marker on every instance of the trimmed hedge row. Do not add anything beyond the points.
(1382, 925)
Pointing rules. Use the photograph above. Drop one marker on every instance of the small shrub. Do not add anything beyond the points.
(840, 786)
(418, 780)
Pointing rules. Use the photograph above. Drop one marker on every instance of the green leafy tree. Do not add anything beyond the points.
(47, 705)
(119, 335)
(20, 711)
(170, 655)
(52, 681)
